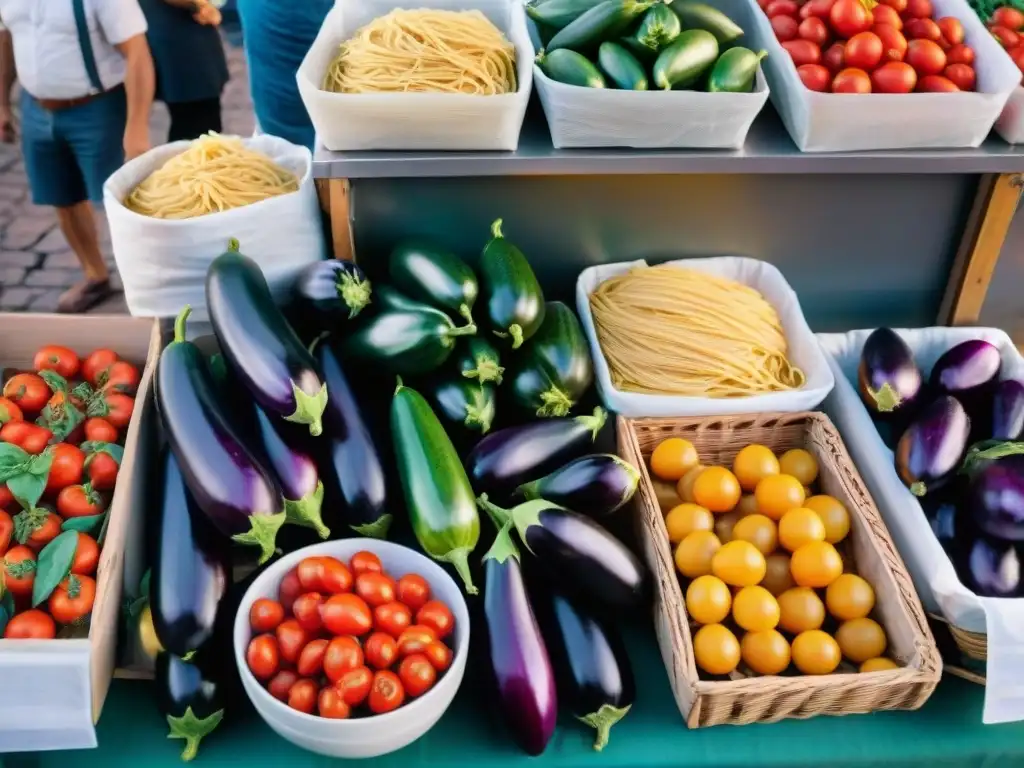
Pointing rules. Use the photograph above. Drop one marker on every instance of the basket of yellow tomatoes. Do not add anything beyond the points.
(778, 590)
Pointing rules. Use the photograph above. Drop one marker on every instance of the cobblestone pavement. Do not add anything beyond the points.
(36, 263)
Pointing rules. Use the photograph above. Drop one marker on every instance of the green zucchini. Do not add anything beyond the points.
(556, 14)
(463, 403)
(686, 60)
(476, 358)
(605, 21)
(639, 49)
(515, 302)
(388, 299)
(434, 276)
(554, 369)
(571, 68)
(621, 67)
(442, 508)
(696, 15)
(658, 27)
(735, 70)
(406, 342)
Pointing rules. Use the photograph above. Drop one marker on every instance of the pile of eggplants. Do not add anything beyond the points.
(957, 435)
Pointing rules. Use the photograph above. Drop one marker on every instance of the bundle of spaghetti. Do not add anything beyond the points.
(666, 330)
(425, 51)
(216, 173)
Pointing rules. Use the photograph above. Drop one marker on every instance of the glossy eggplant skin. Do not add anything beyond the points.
(1007, 411)
(235, 491)
(476, 358)
(592, 671)
(514, 299)
(506, 459)
(554, 369)
(596, 485)
(522, 668)
(191, 701)
(464, 404)
(993, 568)
(406, 342)
(887, 377)
(191, 568)
(352, 470)
(259, 344)
(586, 561)
(966, 367)
(336, 289)
(996, 499)
(434, 276)
(931, 448)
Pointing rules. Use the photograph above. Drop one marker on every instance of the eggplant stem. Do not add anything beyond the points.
(179, 323)
(594, 422)
(486, 370)
(459, 559)
(355, 293)
(465, 330)
(918, 488)
(886, 398)
(399, 386)
(496, 226)
(193, 730)
(554, 402)
(317, 341)
(503, 547)
(991, 451)
(234, 245)
(309, 409)
(498, 515)
(466, 312)
(307, 511)
(378, 529)
(602, 721)
(516, 332)
(262, 534)
(480, 415)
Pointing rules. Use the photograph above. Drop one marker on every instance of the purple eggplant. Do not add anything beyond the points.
(597, 484)
(285, 450)
(887, 377)
(522, 668)
(229, 484)
(592, 670)
(996, 497)
(966, 368)
(512, 456)
(584, 559)
(259, 344)
(352, 469)
(933, 445)
(993, 569)
(336, 289)
(1007, 411)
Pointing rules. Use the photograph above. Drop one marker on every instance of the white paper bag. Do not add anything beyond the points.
(933, 573)
(1010, 124)
(804, 351)
(163, 262)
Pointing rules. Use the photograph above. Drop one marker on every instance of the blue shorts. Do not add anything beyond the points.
(69, 153)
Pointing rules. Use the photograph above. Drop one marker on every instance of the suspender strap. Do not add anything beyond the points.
(85, 44)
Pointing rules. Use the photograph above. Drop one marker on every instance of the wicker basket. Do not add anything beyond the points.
(768, 699)
(972, 645)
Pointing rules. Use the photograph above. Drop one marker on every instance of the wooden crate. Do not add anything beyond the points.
(704, 702)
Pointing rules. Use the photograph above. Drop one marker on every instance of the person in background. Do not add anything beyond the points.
(191, 68)
(87, 87)
(277, 34)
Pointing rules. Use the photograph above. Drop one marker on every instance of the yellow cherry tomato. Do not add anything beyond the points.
(708, 600)
(739, 564)
(673, 458)
(800, 526)
(684, 488)
(695, 552)
(816, 564)
(777, 494)
(800, 609)
(747, 505)
(861, 639)
(724, 524)
(879, 664)
(665, 493)
(753, 463)
(800, 464)
(833, 514)
(684, 519)
(717, 489)
(716, 650)
(759, 531)
(816, 653)
(766, 652)
(849, 597)
(777, 578)
(755, 609)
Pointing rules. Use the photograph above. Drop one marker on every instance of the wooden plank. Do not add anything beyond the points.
(983, 238)
(341, 223)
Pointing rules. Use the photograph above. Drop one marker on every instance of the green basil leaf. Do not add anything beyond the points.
(91, 447)
(4, 618)
(54, 565)
(83, 524)
(61, 420)
(27, 488)
(12, 460)
(7, 603)
(40, 465)
(97, 407)
(83, 391)
(54, 381)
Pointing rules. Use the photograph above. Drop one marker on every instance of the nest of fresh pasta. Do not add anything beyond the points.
(425, 51)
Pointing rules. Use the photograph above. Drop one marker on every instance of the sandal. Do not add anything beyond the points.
(84, 296)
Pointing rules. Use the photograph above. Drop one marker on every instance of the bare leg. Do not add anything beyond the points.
(78, 224)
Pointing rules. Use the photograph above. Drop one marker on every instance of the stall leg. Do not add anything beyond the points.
(991, 215)
(334, 201)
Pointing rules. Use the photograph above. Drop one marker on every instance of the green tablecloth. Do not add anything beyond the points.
(946, 732)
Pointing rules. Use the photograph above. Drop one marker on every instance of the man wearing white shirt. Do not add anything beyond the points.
(87, 87)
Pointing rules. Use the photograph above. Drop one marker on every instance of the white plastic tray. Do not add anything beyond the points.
(1010, 124)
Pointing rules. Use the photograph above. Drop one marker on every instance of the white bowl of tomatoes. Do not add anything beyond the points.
(352, 648)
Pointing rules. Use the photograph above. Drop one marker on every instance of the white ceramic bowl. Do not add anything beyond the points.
(366, 736)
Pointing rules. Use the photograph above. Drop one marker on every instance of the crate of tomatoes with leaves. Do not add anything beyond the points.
(69, 481)
(1005, 20)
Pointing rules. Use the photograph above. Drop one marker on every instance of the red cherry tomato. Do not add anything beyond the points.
(848, 17)
(919, 9)
(311, 660)
(851, 80)
(381, 650)
(30, 437)
(18, 569)
(894, 77)
(814, 29)
(100, 430)
(354, 685)
(289, 590)
(781, 8)
(961, 54)
(375, 588)
(30, 625)
(66, 467)
(120, 377)
(952, 30)
(393, 618)
(55, 358)
(102, 469)
(79, 501)
(97, 363)
(1006, 37)
(415, 639)
(291, 639)
(119, 408)
(815, 77)
(36, 528)
(883, 14)
(926, 57)
(303, 696)
(962, 76)
(897, 5)
(863, 51)
(819, 8)
(786, 28)
(1007, 17)
(1017, 54)
(265, 615)
(9, 410)
(28, 391)
(936, 84)
(263, 657)
(439, 654)
(341, 655)
(803, 51)
(309, 571)
(386, 693)
(6, 533)
(335, 577)
(438, 617)
(306, 610)
(331, 705)
(365, 562)
(413, 590)
(922, 29)
(73, 599)
(346, 614)
(833, 59)
(894, 44)
(87, 555)
(417, 674)
(281, 683)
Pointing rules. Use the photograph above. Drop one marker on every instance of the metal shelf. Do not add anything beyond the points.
(768, 149)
